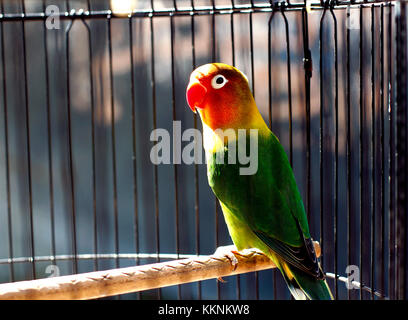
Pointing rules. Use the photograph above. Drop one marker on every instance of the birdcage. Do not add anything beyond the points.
(85, 83)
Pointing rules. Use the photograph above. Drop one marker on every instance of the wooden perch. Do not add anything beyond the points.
(107, 283)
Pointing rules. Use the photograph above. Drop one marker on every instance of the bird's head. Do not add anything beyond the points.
(222, 96)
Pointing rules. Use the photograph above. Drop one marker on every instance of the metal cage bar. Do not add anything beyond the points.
(70, 151)
(402, 105)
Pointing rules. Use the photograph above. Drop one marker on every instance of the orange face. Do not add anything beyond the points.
(221, 94)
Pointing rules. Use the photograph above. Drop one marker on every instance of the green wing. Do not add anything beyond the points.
(269, 203)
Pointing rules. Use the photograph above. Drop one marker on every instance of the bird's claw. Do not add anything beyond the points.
(220, 279)
(228, 252)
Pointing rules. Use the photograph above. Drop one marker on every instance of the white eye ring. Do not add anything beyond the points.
(216, 83)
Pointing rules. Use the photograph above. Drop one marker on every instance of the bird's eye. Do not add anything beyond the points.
(218, 81)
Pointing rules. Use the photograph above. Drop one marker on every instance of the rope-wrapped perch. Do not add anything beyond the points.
(106, 283)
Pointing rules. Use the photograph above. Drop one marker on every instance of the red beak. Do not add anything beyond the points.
(195, 95)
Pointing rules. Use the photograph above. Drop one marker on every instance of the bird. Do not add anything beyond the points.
(263, 209)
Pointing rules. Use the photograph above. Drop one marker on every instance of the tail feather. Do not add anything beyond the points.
(303, 286)
(294, 288)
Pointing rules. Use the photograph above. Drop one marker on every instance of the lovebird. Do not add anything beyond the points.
(262, 206)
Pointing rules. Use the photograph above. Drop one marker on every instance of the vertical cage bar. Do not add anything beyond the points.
(348, 144)
(28, 143)
(361, 47)
(308, 66)
(134, 145)
(269, 68)
(49, 138)
(402, 177)
(321, 132)
(7, 155)
(113, 140)
(251, 49)
(336, 166)
(232, 36)
(154, 111)
(213, 39)
(175, 168)
(373, 166)
(70, 155)
(289, 85)
(95, 220)
(382, 141)
(391, 158)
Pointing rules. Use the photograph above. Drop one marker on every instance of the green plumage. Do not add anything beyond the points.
(265, 211)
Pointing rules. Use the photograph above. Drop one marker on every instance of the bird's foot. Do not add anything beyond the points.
(228, 252)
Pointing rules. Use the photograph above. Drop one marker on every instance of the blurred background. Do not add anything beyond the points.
(78, 104)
